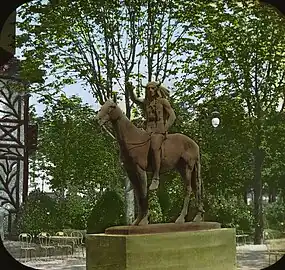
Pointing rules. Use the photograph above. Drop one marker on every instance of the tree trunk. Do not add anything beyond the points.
(283, 195)
(129, 196)
(245, 196)
(272, 194)
(258, 209)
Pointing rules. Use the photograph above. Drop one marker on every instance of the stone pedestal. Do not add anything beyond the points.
(184, 246)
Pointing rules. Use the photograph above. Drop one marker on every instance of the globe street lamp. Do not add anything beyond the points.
(215, 118)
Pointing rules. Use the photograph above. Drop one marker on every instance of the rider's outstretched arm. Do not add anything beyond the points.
(135, 99)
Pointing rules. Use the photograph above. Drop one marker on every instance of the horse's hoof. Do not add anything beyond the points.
(198, 218)
(144, 221)
(154, 185)
(180, 220)
(136, 222)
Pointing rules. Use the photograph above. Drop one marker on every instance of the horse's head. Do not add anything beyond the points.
(109, 112)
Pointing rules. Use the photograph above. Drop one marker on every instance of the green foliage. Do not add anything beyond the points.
(39, 213)
(109, 210)
(73, 151)
(236, 57)
(75, 210)
(42, 212)
(275, 215)
(99, 43)
(273, 234)
(170, 196)
(224, 54)
(230, 211)
(155, 213)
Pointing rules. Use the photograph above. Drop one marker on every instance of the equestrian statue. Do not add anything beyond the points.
(153, 149)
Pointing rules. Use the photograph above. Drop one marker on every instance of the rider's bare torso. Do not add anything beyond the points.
(155, 117)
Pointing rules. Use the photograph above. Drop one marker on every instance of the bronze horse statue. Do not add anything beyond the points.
(178, 152)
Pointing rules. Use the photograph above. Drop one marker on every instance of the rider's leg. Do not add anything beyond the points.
(156, 140)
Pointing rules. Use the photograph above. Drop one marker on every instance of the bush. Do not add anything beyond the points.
(170, 196)
(155, 212)
(230, 211)
(272, 234)
(38, 213)
(76, 211)
(109, 210)
(274, 215)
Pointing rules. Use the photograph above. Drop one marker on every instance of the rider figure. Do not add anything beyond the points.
(159, 118)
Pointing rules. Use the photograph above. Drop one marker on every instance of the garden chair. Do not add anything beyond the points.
(26, 241)
(62, 243)
(241, 238)
(276, 248)
(44, 239)
(78, 242)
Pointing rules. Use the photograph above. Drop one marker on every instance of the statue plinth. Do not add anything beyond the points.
(163, 228)
(163, 246)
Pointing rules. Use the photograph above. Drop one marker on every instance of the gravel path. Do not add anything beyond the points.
(55, 264)
(252, 257)
(249, 257)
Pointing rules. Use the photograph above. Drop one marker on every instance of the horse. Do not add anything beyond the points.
(179, 152)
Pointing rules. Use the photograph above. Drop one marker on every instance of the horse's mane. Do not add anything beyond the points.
(130, 124)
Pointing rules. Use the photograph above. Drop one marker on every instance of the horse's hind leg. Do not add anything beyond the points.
(139, 215)
(142, 198)
(187, 180)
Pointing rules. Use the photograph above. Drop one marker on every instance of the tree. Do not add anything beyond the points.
(240, 52)
(73, 150)
(98, 43)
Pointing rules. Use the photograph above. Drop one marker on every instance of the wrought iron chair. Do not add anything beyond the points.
(45, 244)
(62, 243)
(275, 247)
(241, 237)
(26, 240)
(78, 242)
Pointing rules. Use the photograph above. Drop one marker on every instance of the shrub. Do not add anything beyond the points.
(38, 213)
(109, 210)
(76, 211)
(230, 211)
(155, 212)
(170, 196)
(274, 215)
(272, 234)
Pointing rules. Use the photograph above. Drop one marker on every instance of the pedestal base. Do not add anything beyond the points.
(208, 249)
(163, 228)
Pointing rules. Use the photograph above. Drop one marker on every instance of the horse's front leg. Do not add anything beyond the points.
(142, 196)
(138, 199)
